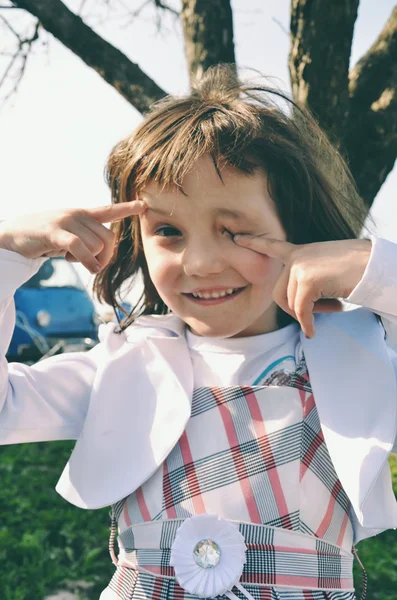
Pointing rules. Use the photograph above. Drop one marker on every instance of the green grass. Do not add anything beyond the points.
(46, 544)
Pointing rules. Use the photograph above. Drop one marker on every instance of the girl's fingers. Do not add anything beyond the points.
(76, 247)
(116, 212)
(303, 309)
(94, 242)
(274, 248)
(107, 238)
(291, 292)
(280, 291)
(54, 253)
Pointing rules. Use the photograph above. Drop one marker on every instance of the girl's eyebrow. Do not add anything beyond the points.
(226, 212)
(234, 214)
(159, 211)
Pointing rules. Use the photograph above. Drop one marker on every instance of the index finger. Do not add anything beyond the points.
(118, 211)
(269, 246)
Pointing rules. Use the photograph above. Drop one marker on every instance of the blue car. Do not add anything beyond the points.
(54, 314)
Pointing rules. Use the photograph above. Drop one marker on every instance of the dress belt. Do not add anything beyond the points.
(273, 556)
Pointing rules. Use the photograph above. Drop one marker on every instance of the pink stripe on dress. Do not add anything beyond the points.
(264, 445)
(142, 505)
(167, 493)
(191, 476)
(237, 456)
(343, 529)
(157, 587)
(126, 515)
(309, 405)
(310, 454)
(179, 592)
(329, 512)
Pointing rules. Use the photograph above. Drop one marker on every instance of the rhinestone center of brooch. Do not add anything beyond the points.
(206, 554)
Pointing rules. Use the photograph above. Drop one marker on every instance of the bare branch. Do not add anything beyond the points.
(111, 64)
(279, 23)
(9, 67)
(371, 139)
(160, 7)
(163, 6)
(81, 7)
(9, 26)
(22, 53)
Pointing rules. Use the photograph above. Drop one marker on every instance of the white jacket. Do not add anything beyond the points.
(127, 401)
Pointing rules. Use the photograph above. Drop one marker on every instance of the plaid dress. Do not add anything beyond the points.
(256, 456)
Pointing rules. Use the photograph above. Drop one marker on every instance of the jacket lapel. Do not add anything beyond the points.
(138, 410)
(354, 387)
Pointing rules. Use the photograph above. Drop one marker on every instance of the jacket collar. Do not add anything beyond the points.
(163, 325)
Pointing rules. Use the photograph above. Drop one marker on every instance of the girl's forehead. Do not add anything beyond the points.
(204, 170)
(247, 202)
(205, 179)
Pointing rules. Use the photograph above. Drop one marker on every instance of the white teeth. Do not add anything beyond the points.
(208, 295)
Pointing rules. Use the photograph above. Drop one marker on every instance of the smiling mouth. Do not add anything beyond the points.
(216, 297)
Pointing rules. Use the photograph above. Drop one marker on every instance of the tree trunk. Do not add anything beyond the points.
(208, 33)
(371, 141)
(321, 41)
(357, 110)
(111, 64)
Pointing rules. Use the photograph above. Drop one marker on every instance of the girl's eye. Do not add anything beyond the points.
(227, 232)
(167, 231)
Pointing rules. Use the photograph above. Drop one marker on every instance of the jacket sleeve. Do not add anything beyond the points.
(377, 291)
(49, 400)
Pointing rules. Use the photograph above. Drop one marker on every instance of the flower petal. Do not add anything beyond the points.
(208, 582)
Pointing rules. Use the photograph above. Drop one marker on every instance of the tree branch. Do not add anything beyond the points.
(22, 53)
(208, 33)
(10, 27)
(372, 132)
(321, 38)
(111, 64)
(163, 6)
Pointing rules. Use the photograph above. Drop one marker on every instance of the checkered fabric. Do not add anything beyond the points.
(254, 455)
(274, 556)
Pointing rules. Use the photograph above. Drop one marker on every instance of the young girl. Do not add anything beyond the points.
(240, 436)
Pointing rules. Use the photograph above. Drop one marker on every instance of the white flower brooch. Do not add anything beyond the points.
(208, 556)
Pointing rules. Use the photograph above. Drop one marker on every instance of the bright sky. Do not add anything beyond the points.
(59, 129)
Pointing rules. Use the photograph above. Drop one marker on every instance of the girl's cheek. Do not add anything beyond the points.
(160, 267)
(259, 269)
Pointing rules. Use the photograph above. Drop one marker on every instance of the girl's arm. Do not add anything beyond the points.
(49, 400)
(377, 289)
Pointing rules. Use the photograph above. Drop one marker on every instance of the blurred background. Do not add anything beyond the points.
(75, 78)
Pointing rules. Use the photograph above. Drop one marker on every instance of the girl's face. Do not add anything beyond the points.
(193, 261)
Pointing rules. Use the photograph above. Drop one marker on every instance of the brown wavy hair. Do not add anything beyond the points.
(242, 124)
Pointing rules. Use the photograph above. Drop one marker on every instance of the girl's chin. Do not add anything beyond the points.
(206, 330)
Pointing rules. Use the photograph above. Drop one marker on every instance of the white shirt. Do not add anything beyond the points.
(242, 360)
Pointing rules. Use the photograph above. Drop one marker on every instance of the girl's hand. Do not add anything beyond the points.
(76, 233)
(314, 275)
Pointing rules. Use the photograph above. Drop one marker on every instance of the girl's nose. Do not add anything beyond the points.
(203, 259)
